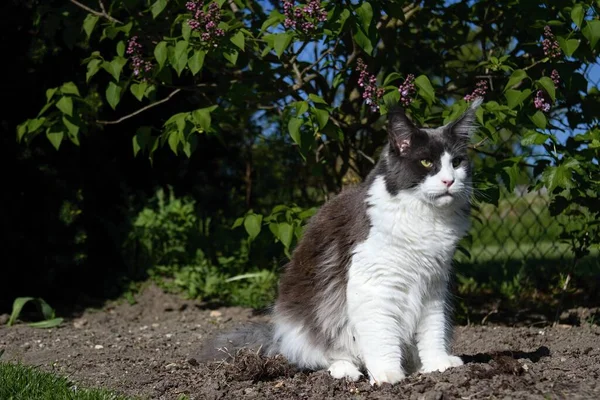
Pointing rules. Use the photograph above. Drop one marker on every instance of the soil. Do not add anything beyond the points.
(146, 349)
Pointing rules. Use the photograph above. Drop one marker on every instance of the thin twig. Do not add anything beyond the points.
(102, 13)
(141, 110)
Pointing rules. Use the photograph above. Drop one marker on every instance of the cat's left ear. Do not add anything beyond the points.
(464, 126)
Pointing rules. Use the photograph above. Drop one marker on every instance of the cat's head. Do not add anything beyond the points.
(430, 164)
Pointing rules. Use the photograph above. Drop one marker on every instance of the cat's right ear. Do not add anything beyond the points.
(401, 131)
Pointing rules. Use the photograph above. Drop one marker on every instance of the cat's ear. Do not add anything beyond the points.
(401, 131)
(464, 126)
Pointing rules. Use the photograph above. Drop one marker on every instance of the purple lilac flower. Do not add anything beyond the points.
(555, 76)
(407, 89)
(305, 17)
(372, 94)
(206, 22)
(479, 91)
(134, 50)
(541, 102)
(550, 44)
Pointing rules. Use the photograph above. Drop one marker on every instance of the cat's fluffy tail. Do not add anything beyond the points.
(255, 336)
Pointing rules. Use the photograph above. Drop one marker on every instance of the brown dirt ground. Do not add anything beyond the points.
(146, 350)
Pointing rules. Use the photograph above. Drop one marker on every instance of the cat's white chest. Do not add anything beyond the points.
(407, 235)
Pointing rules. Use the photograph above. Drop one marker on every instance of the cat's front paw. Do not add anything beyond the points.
(386, 376)
(441, 363)
(344, 369)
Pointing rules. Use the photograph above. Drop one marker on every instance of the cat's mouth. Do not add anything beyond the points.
(442, 195)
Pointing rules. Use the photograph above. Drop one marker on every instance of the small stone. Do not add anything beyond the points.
(215, 314)
(169, 335)
(4, 318)
(98, 347)
(155, 325)
(192, 361)
(563, 359)
(171, 366)
(79, 323)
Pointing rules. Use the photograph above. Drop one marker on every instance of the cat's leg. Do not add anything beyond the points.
(344, 368)
(434, 334)
(378, 336)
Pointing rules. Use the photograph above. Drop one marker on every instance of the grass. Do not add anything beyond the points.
(19, 382)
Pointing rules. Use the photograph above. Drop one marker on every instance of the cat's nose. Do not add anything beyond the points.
(448, 182)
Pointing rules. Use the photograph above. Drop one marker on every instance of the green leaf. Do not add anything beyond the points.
(70, 88)
(533, 138)
(548, 86)
(317, 99)
(121, 48)
(231, 56)
(196, 61)
(281, 42)
(160, 53)
(180, 56)
(274, 18)
(568, 46)
(592, 32)
(113, 94)
(55, 136)
(158, 7)
(301, 108)
(577, 14)
(237, 223)
(515, 98)
(21, 130)
(186, 30)
(365, 15)
(50, 93)
(17, 307)
(65, 105)
(92, 68)
(513, 172)
(115, 67)
(138, 90)
(321, 115)
(425, 89)
(34, 124)
(238, 39)
(50, 323)
(202, 118)
(363, 40)
(558, 177)
(71, 126)
(294, 128)
(173, 141)
(89, 23)
(285, 233)
(253, 225)
(539, 119)
(141, 139)
(394, 76)
(516, 77)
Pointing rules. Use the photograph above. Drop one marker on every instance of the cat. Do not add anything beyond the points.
(366, 289)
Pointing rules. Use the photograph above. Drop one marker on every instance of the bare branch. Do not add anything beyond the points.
(102, 13)
(141, 110)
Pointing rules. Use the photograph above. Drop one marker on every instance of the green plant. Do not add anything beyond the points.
(49, 318)
(20, 382)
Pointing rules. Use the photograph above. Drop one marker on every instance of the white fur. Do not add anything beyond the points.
(397, 287)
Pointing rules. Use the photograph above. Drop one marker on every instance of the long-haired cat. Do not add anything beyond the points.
(366, 289)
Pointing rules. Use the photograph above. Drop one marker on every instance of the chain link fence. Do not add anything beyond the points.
(517, 242)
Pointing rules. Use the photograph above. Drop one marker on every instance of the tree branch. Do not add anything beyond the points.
(141, 110)
(102, 13)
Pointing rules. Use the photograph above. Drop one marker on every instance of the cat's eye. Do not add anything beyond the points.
(426, 163)
(456, 161)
